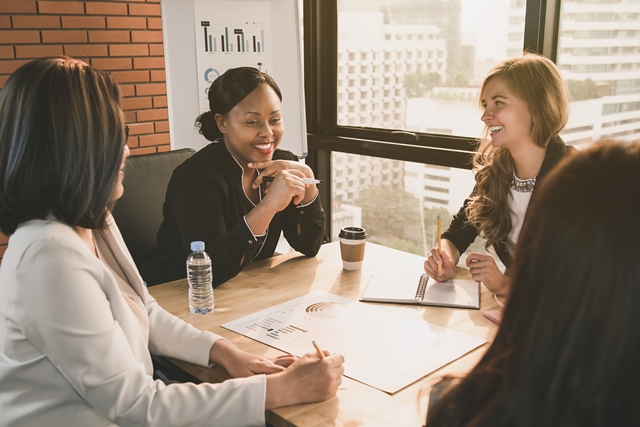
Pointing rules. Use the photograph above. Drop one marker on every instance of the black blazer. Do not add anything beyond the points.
(205, 201)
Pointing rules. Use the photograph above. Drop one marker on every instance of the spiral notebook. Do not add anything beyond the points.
(405, 288)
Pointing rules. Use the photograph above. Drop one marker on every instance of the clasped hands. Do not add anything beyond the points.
(287, 185)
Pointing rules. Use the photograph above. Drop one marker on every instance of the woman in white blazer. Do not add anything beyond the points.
(77, 324)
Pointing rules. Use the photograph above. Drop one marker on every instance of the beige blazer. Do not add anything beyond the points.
(72, 352)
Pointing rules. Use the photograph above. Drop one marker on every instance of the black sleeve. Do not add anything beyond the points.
(460, 232)
(204, 220)
(304, 226)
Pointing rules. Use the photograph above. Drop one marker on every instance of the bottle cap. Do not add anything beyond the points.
(197, 246)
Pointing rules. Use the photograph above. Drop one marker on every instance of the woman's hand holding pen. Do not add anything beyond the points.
(286, 187)
(290, 381)
(440, 258)
(308, 379)
(291, 170)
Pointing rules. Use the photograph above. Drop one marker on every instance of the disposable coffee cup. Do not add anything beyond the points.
(352, 243)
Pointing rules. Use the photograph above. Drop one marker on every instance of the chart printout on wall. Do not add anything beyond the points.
(382, 347)
(237, 33)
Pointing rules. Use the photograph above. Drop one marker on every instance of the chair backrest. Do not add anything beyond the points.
(138, 213)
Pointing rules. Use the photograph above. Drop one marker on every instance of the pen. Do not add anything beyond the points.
(320, 352)
(439, 246)
(269, 178)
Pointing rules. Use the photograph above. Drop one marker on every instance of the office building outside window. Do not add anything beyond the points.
(412, 66)
(599, 56)
(417, 65)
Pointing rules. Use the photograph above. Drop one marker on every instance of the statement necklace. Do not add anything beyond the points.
(523, 185)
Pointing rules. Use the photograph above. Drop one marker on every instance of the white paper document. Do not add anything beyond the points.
(382, 347)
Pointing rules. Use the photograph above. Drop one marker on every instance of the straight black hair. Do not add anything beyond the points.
(566, 352)
(62, 139)
(226, 92)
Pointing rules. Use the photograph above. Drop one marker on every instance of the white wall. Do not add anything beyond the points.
(178, 28)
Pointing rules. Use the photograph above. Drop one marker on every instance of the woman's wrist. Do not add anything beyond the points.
(451, 250)
(259, 218)
(310, 195)
(505, 287)
(221, 352)
(277, 394)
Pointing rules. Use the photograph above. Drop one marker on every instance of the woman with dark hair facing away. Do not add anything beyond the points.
(218, 195)
(566, 353)
(77, 324)
(525, 107)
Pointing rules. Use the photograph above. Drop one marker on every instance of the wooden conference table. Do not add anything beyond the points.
(269, 282)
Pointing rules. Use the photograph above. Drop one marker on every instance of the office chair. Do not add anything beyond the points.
(138, 213)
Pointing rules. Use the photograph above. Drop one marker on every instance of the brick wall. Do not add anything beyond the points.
(121, 37)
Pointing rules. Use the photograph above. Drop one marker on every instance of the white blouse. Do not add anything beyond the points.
(518, 203)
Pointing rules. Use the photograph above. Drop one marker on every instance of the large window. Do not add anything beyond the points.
(416, 66)
(396, 201)
(599, 56)
(392, 91)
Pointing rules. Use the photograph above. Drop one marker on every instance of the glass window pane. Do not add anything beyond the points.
(599, 56)
(397, 202)
(417, 65)
(414, 66)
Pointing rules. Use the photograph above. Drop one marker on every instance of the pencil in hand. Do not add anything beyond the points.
(439, 248)
(320, 352)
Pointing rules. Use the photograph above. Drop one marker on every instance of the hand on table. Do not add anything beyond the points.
(483, 268)
(240, 363)
(249, 364)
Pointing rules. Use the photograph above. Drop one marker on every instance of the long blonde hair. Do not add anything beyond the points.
(537, 81)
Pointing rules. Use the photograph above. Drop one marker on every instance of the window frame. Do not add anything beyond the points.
(320, 26)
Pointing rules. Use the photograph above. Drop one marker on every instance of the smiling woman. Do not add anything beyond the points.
(218, 195)
(525, 107)
(78, 326)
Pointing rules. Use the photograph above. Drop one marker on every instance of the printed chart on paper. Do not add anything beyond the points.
(382, 348)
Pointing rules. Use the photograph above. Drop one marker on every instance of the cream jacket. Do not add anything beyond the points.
(72, 352)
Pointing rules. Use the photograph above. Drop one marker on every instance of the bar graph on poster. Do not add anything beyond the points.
(241, 36)
(204, 38)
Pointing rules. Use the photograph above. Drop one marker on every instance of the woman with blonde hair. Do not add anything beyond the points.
(525, 105)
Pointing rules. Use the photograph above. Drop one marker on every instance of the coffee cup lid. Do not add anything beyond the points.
(355, 233)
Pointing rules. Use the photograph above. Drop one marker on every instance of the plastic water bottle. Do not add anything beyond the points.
(200, 279)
